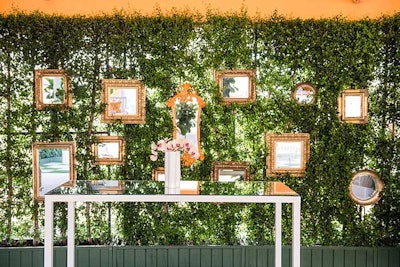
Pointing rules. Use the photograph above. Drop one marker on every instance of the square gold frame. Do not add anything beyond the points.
(52, 171)
(353, 106)
(45, 80)
(125, 101)
(158, 172)
(246, 89)
(288, 153)
(109, 157)
(231, 165)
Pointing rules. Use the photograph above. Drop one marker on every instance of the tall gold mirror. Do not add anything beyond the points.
(186, 108)
(53, 165)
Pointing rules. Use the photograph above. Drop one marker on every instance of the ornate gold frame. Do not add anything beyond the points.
(120, 159)
(187, 94)
(378, 188)
(219, 76)
(346, 103)
(115, 113)
(231, 165)
(66, 100)
(306, 87)
(290, 142)
(37, 172)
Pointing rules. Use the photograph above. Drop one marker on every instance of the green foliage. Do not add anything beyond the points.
(165, 51)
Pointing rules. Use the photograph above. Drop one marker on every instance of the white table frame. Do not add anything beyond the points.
(71, 199)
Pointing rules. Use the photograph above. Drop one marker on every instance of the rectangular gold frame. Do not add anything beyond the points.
(353, 106)
(118, 107)
(249, 89)
(38, 171)
(232, 165)
(277, 161)
(40, 89)
(156, 172)
(109, 159)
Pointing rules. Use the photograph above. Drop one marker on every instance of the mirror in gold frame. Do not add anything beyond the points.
(53, 165)
(365, 187)
(125, 101)
(304, 93)
(52, 89)
(236, 86)
(158, 174)
(230, 171)
(186, 108)
(353, 106)
(288, 153)
(109, 150)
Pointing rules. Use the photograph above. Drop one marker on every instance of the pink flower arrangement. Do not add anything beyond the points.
(165, 145)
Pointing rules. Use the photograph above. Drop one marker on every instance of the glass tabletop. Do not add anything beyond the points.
(141, 187)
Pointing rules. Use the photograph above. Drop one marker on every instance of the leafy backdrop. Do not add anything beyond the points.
(165, 51)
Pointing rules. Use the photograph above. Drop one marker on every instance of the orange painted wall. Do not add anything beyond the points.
(264, 8)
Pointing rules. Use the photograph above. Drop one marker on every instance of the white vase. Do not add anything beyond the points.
(172, 169)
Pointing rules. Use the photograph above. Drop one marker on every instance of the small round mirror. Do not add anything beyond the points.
(365, 187)
(304, 93)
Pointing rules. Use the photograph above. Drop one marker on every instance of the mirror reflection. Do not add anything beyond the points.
(186, 120)
(363, 187)
(53, 168)
(122, 101)
(53, 90)
(235, 87)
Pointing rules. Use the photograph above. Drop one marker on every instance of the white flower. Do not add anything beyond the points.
(153, 157)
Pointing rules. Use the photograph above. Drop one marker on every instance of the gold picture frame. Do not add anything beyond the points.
(125, 101)
(353, 106)
(288, 153)
(230, 171)
(52, 89)
(304, 93)
(109, 150)
(53, 165)
(158, 174)
(236, 86)
(365, 187)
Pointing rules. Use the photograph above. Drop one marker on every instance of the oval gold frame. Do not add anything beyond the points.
(378, 188)
(308, 86)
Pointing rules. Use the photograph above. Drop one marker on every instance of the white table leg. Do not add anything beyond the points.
(278, 234)
(71, 235)
(48, 233)
(296, 218)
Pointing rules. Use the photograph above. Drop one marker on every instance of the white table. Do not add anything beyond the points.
(273, 196)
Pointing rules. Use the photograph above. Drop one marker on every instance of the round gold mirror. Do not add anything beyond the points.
(304, 93)
(365, 187)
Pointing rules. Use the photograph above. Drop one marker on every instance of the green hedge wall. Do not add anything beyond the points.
(163, 52)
